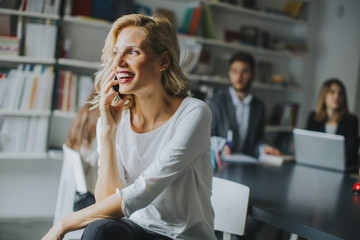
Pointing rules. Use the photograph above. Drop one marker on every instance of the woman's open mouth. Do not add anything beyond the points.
(125, 77)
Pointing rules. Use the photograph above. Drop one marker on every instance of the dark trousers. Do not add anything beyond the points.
(118, 229)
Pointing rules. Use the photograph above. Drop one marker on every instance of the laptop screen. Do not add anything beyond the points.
(319, 149)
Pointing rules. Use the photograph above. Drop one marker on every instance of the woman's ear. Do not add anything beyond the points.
(165, 60)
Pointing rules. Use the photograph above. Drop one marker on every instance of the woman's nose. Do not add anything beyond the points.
(119, 61)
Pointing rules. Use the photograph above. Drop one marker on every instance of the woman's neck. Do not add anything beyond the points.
(153, 110)
(331, 117)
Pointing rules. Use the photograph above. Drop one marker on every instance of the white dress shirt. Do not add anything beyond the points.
(167, 173)
(242, 112)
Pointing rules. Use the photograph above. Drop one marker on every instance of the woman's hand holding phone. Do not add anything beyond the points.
(110, 114)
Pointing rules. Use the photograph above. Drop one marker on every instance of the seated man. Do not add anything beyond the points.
(237, 114)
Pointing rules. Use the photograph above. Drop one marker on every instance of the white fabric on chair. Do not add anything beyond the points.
(72, 179)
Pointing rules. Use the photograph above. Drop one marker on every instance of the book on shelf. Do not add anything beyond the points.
(108, 10)
(209, 29)
(81, 7)
(9, 46)
(85, 84)
(40, 37)
(27, 88)
(298, 9)
(71, 91)
(102, 9)
(23, 134)
(38, 6)
(284, 114)
(195, 20)
(293, 8)
(186, 20)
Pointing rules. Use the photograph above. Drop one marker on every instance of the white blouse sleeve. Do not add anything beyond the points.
(189, 142)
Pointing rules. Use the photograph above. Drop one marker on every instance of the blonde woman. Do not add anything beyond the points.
(332, 116)
(155, 171)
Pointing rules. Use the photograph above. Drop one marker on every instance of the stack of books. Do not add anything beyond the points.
(28, 87)
(9, 46)
(71, 91)
(24, 134)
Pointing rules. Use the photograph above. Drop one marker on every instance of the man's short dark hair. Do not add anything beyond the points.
(244, 57)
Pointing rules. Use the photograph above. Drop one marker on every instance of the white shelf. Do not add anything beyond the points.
(273, 87)
(87, 21)
(255, 84)
(242, 10)
(28, 14)
(64, 114)
(78, 63)
(24, 156)
(24, 59)
(270, 128)
(27, 113)
(55, 154)
(257, 50)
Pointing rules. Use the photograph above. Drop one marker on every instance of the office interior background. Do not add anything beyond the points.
(294, 55)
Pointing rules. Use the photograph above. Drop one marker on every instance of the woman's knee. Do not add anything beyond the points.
(108, 229)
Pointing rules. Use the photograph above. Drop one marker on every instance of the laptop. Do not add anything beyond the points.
(319, 149)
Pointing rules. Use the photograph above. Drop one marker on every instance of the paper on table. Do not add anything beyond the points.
(239, 157)
(275, 160)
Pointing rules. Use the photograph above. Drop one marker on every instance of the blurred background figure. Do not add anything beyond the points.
(332, 116)
(82, 138)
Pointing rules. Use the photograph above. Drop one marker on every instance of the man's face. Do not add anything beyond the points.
(240, 75)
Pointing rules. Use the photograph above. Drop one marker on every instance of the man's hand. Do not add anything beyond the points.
(271, 151)
(227, 150)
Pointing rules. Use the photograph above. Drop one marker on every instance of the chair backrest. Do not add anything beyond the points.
(230, 202)
(72, 179)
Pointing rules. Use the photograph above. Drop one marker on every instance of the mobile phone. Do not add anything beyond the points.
(116, 89)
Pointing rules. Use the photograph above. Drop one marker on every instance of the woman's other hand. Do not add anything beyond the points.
(55, 233)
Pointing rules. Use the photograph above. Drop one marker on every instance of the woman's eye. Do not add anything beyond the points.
(133, 52)
(116, 53)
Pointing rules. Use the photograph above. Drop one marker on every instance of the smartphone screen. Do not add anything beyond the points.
(116, 89)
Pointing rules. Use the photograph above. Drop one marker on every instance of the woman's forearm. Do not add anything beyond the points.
(109, 176)
(109, 207)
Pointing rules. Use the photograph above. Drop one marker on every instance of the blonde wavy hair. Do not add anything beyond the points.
(162, 36)
(320, 113)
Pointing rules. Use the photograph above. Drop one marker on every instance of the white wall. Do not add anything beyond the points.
(28, 188)
(337, 42)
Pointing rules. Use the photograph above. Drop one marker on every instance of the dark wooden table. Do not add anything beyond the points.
(311, 202)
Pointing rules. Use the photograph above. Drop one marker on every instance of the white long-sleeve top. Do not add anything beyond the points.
(167, 173)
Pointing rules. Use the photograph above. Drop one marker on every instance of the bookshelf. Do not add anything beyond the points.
(25, 59)
(255, 13)
(27, 81)
(64, 114)
(287, 63)
(28, 14)
(80, 61)
(37, 113)
(74, 63)
(256, 84)
(24, 156)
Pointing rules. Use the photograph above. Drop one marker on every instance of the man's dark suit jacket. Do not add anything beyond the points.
(347, 127)
(224, 119)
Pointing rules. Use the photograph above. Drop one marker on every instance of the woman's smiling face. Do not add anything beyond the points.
(135, 63)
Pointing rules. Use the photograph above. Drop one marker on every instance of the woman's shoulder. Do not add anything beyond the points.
(350, 118)
(194, 103)
(193, 106)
